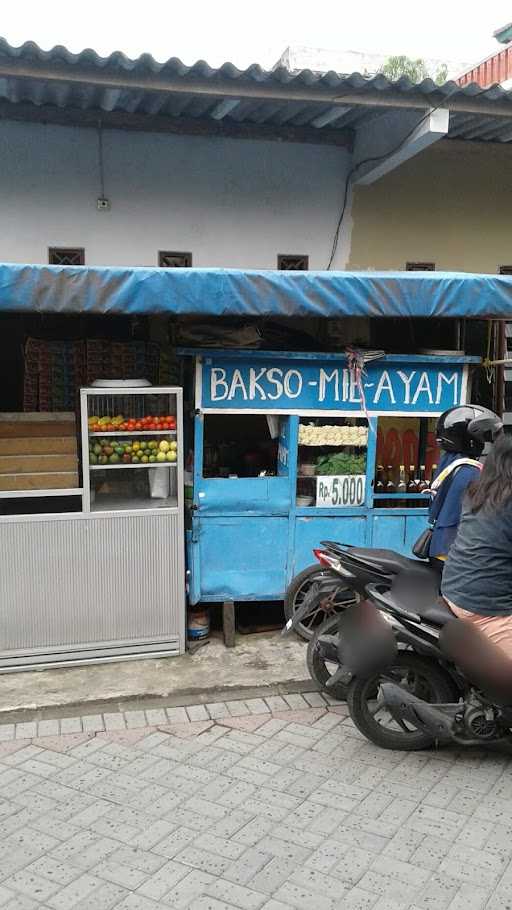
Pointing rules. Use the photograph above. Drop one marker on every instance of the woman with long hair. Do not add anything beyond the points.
(477, 579)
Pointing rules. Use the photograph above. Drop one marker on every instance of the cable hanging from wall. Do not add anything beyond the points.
(102, 202)
(373, 160)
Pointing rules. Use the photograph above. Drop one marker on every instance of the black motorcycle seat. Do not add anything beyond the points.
(437, 612)
(387, 560)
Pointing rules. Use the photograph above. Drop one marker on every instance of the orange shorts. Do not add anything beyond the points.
(497, 628)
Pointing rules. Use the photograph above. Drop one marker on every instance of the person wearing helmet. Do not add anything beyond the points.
(461, 434)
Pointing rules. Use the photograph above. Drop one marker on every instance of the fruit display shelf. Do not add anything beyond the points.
(136, 433)
(124, 467)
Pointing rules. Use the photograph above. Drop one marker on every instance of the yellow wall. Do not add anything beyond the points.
(451, 205)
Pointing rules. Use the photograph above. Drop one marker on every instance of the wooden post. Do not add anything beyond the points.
(229, 623)
(501, 351)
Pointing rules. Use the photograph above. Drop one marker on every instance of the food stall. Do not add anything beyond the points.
(282, 449)
(286, 453)
(93, 571)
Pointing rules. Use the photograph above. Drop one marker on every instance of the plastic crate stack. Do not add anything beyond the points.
(55, 370)
(122, 360)
(169, 370)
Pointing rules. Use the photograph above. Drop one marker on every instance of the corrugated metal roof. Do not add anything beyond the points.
(325, 103)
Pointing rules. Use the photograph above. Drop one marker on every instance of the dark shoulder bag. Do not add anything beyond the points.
(421, 547)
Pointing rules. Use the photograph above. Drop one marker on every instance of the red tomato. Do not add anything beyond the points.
(166, 426)
(173, 423)
(138, 425)
(152, 426)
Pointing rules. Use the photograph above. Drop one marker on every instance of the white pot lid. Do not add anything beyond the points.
(121, 383)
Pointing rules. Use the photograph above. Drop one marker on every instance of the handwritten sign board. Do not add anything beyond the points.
(294, 386)
(340, 490)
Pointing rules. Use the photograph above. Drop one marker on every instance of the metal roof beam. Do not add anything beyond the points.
(461, 123)
(504, 137)
(185, 126)
(223, 108)
(221, 87)
(383, 149)
(334, 113)
(493, 129)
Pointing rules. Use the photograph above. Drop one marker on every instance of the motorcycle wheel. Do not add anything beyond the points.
(320, 666)
(340, 598)
(421, 677)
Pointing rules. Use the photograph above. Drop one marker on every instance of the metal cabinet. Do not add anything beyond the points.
(107, 583)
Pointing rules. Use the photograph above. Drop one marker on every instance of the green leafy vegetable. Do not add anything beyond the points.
(340, 463)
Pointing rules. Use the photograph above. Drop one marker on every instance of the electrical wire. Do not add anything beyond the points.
(372, 160)
(100, 160)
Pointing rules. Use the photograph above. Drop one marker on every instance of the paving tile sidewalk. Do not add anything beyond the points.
(126, 720)
(271, 803)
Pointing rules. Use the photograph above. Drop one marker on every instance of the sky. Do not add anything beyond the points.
(258, 32)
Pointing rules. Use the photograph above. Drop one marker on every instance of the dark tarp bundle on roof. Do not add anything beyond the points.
(232, 292)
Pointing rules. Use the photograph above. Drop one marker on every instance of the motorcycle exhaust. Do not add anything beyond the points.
(402, 705)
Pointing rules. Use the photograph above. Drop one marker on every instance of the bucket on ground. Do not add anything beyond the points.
(198, 623)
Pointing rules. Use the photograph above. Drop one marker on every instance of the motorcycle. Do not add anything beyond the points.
(448, 683)
(344, 572)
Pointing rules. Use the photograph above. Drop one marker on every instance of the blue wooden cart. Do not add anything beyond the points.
(248, 536)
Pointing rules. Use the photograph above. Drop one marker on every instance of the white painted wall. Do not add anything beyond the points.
(232, 203)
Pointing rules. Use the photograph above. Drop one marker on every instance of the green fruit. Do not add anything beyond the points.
(161, 456)
(119, 450)
(93, 459)
(97, 449)
(102, 459)
(145, 459)
(153, 444)
(152, 459)
(114, 458)
(135, 459)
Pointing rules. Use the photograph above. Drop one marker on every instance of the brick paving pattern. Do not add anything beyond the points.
(273, 803)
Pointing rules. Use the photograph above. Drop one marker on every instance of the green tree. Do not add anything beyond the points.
(415, 70)
(442, 74)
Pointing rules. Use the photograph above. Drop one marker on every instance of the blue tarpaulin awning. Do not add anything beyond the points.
(233, 292)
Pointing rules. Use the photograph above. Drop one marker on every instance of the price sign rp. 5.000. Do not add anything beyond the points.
(341, 490)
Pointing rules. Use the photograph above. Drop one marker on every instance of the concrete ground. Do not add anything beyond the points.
(265, 805)
(257, 661)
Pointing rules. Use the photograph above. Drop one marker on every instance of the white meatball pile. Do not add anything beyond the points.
(310, 435)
